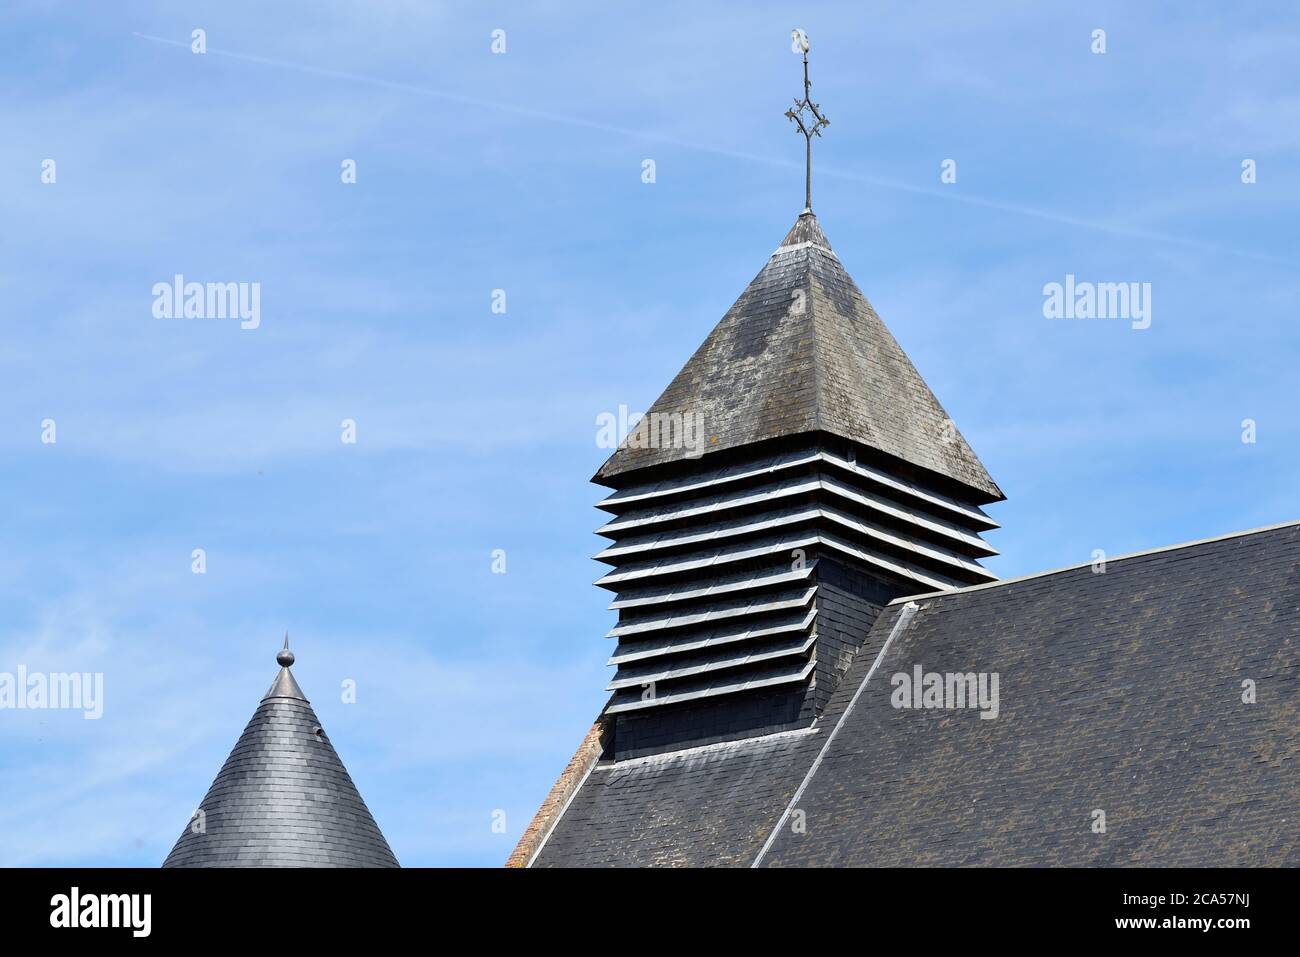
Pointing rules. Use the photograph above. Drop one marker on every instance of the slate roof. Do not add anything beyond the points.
(283, 798)
(1119, 691)
(802, 351)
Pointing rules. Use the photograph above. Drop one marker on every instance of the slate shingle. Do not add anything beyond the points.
(801, 351)
(283, 798)
(1119, 691)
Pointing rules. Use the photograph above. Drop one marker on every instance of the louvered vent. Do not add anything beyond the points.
(717, 573)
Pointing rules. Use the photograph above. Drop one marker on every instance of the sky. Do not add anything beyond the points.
(475, 429)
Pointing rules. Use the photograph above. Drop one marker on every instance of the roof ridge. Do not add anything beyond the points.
(1109, 561)
(817, 373)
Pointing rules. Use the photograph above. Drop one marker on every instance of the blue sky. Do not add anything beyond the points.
(476, 431)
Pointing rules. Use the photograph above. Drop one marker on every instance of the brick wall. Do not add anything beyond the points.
(588, 754)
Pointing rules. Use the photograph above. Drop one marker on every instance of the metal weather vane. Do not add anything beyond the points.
(807, 115)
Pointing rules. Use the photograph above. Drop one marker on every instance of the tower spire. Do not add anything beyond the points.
(283, 798)
(284, 685)
(807, 115)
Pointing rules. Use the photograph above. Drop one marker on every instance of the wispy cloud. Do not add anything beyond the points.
(549, 116)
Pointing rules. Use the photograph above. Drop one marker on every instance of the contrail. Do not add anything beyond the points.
(577, 121)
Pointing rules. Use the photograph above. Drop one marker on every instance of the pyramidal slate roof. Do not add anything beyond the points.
(1162, 692)
(803, 351)
(283, 798)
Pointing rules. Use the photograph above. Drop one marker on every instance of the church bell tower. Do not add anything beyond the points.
(795, 477)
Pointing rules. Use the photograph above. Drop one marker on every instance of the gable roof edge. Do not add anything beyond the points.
(562, 794)
(1118, 558)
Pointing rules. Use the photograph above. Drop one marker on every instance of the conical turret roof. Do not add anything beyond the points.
(283, 798)
(803, 351)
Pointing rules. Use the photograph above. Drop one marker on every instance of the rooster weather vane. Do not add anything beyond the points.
(807, 115)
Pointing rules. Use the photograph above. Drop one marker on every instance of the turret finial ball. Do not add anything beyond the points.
(285, 657)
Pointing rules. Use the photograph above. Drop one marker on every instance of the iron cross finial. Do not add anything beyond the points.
(807, 115)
